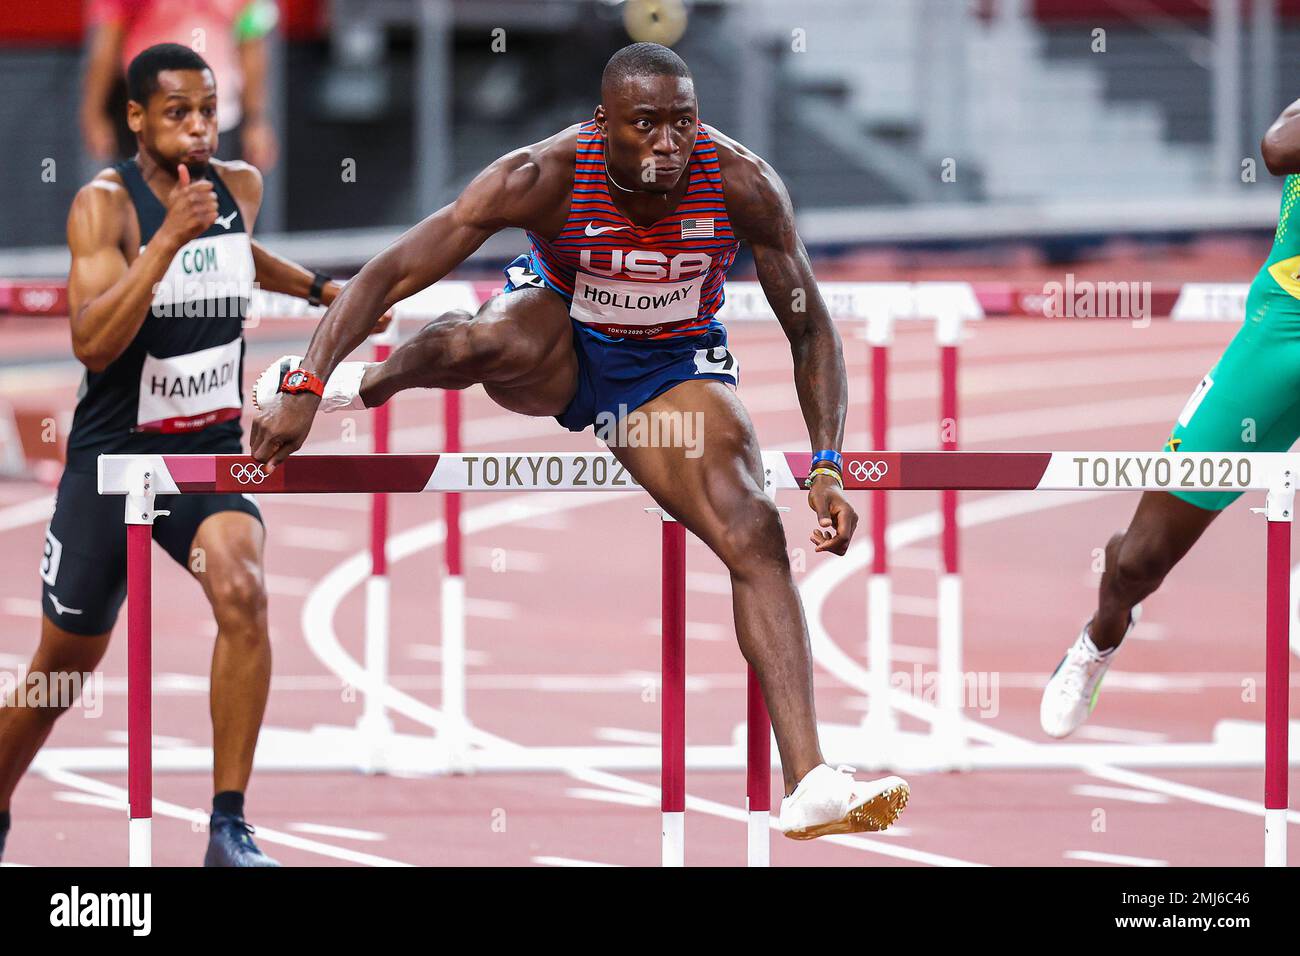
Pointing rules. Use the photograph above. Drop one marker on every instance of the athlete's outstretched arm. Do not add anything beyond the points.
(1281, 144)
(760, 211)
(500, 196)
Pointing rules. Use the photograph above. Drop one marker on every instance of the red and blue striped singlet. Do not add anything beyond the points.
(643, 282)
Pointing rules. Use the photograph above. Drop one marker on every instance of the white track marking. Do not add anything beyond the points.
(313, 538)
(612, 796)
(433, 654)
(695, 630)
(915, 605)
(567, 861)
(1117, 793)
(511, 558)
(708, 582)
(1143, 781)
(494, 610)
(161, 808)
(20, 607)
(1115, 858)
(1119, 735)
(342, 833)
(35, 511)
(288, 586)
(620, 735)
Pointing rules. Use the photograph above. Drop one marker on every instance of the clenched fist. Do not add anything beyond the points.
(191, 207)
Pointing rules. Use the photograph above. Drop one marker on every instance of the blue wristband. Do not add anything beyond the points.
(830, 457)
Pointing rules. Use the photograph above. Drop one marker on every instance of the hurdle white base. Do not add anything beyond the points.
(880, 723)
(674, 838)
(758, 838)
(375, 725)
(140, 841)
(456, 732)
(1275, 837)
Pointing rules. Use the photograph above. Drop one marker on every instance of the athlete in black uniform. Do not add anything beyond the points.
(162, 269)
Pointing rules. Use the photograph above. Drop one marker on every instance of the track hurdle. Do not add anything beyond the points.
(141, 477)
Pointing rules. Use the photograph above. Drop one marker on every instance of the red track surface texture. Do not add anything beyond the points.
(563, 647)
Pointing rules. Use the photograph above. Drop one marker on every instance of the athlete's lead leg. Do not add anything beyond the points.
(519, 345)
(718, 495)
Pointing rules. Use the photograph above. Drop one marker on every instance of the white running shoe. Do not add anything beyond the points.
(342, 391)
(1072, 690)
(830, 801)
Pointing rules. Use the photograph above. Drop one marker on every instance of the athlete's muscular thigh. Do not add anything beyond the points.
(529, 333)
(714, 484)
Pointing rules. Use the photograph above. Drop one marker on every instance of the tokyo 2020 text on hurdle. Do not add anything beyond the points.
(142, 477)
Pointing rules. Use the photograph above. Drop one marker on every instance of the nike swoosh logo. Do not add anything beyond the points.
(595, 230)
(59, 606)
(225, 221)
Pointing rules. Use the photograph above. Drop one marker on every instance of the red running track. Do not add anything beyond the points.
(564, 605)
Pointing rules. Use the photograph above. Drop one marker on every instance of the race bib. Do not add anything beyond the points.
(184, 393)
(631, 307)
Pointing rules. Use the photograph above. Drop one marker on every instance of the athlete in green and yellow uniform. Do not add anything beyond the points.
(1248, 402)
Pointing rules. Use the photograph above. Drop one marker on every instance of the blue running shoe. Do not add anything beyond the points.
(230, 843)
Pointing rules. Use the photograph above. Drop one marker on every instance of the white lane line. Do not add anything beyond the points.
(33, 511)
(162, 808)
(495, 610)
(1118, 859)
(508, 558)
(20, 607)
(288, 586)
(1117, 793)
(313, 538)
(1143, 781)
(567, 861)
(911, 654)
(612, 796)
(708, 582)
(432, 653)
(623, 735)
(695, 630)
(915, 606)
(342, 833)
(1119, 735)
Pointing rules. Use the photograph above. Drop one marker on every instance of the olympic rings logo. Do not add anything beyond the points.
(247, 474)
(868, 470)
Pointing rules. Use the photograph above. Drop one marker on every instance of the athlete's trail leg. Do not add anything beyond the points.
(519, 345)
(1163, 529)
(718, 495)
(23, 730)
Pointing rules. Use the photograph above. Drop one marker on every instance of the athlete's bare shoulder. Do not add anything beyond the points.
(244, 180)
(757, 202)
(99, 213)
(528, 187)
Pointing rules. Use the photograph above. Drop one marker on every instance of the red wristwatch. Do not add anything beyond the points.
(301, 380)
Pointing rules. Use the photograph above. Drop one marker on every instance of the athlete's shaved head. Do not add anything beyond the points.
(638, 60)
(648, 116)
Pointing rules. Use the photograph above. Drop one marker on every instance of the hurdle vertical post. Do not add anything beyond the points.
(1279, 509)
(880, 723)
(453, 603)
(140, 516)
(375, 726)
(672, 699)
(948, 732)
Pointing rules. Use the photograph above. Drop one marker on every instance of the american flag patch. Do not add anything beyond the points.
(697, 228)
